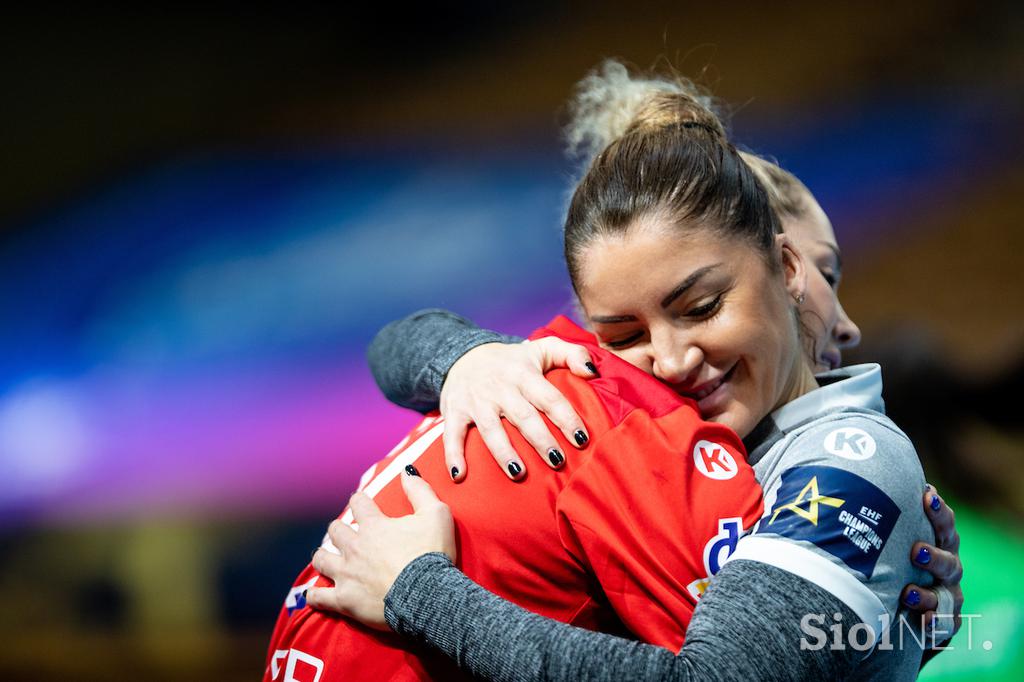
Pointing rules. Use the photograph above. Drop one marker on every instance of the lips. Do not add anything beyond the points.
(707, 388)
(830, 360)
(702, 391)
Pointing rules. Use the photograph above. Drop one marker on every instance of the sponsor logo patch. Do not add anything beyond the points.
(851, 443)
(298, 666)
(714, 461)
(716, 551)
(840, 512)
(295, 601)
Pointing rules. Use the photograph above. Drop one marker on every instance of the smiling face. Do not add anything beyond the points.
(822, 315)
(703, 313)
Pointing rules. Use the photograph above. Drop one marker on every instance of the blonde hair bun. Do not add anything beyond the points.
(610, 102)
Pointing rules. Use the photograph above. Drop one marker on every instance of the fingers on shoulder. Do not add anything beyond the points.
(493, 434)
(421, 495)
(454, 439)
(578, 359)
(942, 518)
(919, 599)
(944, 565)
(559, 410)
(334, 598)
(328, 564)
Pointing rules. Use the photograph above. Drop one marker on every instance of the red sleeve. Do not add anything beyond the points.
(659, 505)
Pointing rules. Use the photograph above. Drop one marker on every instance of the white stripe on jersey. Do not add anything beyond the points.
(814, 568)
(394, 468)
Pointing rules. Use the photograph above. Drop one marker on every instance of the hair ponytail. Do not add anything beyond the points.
(609, 102)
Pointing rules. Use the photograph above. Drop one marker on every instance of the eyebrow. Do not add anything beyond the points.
(678, 291)
(686, 284)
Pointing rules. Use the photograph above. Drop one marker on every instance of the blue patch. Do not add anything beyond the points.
(296, 599)
(840, 512)
(300, 603)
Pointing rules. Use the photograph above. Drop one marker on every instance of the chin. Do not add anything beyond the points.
(731, 420)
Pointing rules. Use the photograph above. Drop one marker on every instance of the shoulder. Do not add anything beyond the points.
(861, 442)
(842, 483)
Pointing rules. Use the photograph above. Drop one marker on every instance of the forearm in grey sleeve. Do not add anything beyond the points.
(746, 626)
(410, 358)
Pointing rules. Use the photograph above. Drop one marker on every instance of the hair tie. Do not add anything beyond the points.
(702, 126)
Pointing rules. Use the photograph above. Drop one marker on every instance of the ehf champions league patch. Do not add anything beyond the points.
(840, 512)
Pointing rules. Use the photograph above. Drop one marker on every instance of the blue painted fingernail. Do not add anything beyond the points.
(923, 556)
(592, 368)
(555, 457)
(514, 468)
(936, 503)
(411, 470)
(913, 598)
(581, 438)
(455, 473)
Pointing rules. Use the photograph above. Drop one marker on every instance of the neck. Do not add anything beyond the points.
(801, 383)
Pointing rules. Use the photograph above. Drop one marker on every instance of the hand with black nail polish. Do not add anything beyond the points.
(497, 381)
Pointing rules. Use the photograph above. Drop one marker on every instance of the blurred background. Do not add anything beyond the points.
(206, 213)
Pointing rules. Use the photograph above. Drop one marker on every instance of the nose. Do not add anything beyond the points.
(846, 333)
(677, 360)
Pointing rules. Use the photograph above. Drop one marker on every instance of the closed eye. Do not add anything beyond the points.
(707, 309)
(622, 343)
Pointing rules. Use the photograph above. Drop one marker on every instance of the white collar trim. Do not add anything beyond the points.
(858, 386)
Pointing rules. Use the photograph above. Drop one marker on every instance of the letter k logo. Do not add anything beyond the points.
(714, 461)
(850, 443)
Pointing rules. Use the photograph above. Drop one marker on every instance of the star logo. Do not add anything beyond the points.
(812, 498)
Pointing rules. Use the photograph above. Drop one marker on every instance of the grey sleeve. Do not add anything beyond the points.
(410, 358)
(867, 466)
(748, 625)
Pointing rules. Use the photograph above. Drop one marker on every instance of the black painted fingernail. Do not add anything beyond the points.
(411, 470)
(936, 503)
(455, 473)
(514, 469)
(581, 438)
(913, 598)
(555, 457)
(304, 593)
(923, 556)
(592, 368)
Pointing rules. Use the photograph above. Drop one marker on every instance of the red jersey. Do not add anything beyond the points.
(626, 533)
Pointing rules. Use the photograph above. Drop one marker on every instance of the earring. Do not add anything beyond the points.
(800, 298)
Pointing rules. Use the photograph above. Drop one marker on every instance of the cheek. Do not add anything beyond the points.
(771, 343)
(637, 357)
(820, 312)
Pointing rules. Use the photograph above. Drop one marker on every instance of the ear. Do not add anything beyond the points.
(794, 268)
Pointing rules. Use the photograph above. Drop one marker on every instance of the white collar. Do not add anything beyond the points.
(858, 386)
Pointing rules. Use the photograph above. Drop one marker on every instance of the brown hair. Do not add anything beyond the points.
(669, 157)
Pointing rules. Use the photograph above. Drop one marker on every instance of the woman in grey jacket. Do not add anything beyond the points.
(677, 259)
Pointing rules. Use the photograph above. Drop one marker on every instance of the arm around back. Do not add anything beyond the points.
(410, 357)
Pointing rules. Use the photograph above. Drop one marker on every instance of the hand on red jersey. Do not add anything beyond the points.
(372, 557)
(496, 380)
